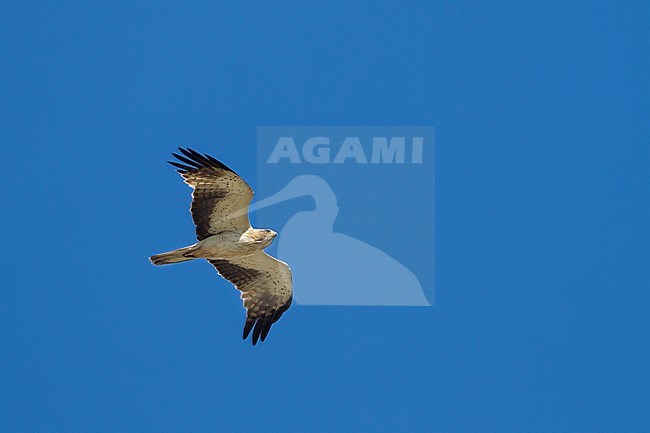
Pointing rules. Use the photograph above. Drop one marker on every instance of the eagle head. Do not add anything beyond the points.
(267, 236)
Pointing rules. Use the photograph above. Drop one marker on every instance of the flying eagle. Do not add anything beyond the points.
(220, 202)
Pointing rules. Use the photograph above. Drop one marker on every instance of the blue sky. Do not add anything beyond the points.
(541, 233)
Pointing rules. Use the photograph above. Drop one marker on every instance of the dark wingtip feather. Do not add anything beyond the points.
(196, 156)
(183, 168)
(248, 326)
(268, 321)
(261, 326)
(188, 161)
(195, 160)
(218, 163)
(257, 331)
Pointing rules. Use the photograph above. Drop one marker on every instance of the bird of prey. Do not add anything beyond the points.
(220, 202)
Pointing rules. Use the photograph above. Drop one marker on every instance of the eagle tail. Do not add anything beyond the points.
(175, 256)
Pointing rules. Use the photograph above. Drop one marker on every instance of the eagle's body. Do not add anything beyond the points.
(226, 239)
(224, 245)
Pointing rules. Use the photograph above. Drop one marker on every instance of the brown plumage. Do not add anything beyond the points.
(219, 209)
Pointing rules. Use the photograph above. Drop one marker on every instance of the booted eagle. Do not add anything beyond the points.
(220, 202)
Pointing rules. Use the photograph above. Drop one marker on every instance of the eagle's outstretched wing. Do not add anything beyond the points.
(265, 283)
(220, 198)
